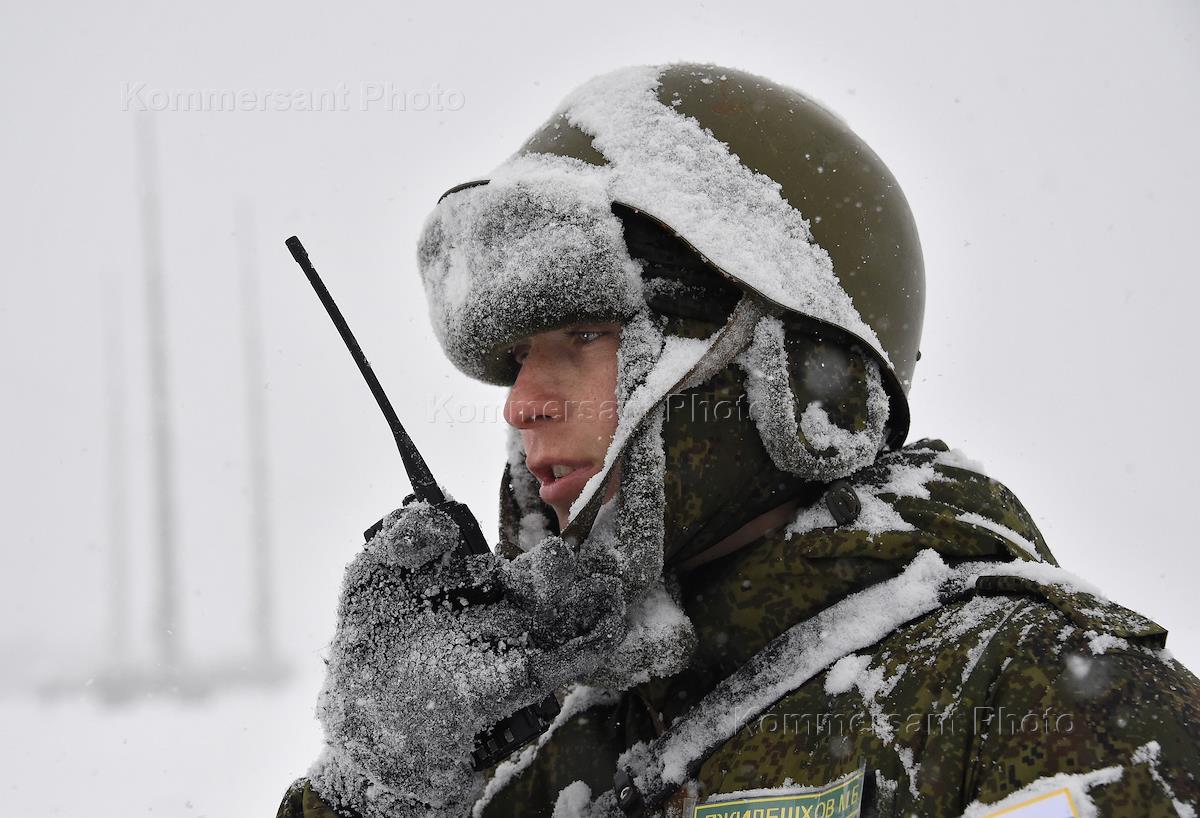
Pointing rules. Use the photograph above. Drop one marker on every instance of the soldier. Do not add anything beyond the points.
(706, 294)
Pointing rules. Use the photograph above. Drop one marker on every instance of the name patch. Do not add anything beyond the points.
(838, 799)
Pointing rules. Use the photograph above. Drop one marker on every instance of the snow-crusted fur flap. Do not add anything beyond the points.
(536, 248)
(811, 445)
(626, 539)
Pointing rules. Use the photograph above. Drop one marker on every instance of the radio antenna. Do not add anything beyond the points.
(424, 485)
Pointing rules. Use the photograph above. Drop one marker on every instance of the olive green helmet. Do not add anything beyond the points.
(770, 188)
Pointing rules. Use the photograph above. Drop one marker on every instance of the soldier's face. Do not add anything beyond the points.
(564, 404)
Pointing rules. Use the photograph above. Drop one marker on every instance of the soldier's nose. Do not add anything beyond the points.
(532, 399)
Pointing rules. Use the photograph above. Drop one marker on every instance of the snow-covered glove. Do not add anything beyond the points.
(434, 645)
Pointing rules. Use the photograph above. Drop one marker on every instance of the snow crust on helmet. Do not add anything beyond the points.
(671, 167)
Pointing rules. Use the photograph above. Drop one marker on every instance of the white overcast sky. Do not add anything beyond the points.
(1047, 149)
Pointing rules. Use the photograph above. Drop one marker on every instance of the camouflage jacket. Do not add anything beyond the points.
(1016, 689)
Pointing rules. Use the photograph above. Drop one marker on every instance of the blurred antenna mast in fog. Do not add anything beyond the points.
(118, 478)
(165, 621)
(262, 622)
(122, 678)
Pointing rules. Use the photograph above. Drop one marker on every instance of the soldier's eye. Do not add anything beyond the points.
(519, 353)
(586, 336)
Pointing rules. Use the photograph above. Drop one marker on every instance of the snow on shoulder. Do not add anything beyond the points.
(877, 514)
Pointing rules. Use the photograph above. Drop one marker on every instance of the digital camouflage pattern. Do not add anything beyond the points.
(971, 702)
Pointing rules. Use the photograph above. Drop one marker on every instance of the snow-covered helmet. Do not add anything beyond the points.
(772, 193)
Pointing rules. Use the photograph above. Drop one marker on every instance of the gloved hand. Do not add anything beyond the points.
(434, 645)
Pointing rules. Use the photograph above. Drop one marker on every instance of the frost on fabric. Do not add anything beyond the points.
(903, 478)
(811, 446)
(873, 686)
(668, 165)
(660, 641)
(534, 524)
(537, 247)
(796, 656)
(976, 651)
(845, 671)
(659, 637)
(572, 799)
(886, 787)
(387, 632)
(1103, 642)
(561, 595)
(956, 459)
(911, 769)
(412, 679)
(676, 357)
(878, 515)
(1148, 754)
(1007, 533)
(578, 699)
(1044, 573)
(1110, 616)
(953, 624)
(975, 615)
(1077, 784)
(855, 671)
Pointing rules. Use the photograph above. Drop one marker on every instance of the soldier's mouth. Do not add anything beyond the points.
(560, 482)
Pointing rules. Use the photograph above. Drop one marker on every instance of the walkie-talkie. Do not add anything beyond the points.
(529, 722)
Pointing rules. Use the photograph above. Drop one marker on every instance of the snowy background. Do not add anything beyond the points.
(1047, 150)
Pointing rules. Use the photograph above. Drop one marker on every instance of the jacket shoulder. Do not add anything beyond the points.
(925, 495)
(1075, 700)
(1096, 615)
(975, 701)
